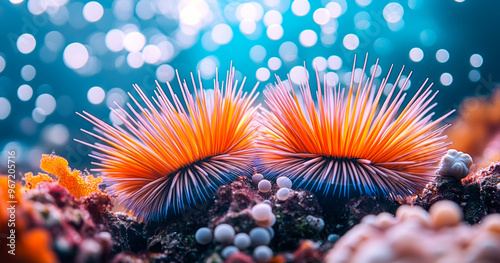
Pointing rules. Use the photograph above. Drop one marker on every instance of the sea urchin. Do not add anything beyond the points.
(168, 156)
(346, 143)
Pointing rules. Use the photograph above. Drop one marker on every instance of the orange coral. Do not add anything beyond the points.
(36, 241)
(33, 180)
(71, 180)
(476, 128)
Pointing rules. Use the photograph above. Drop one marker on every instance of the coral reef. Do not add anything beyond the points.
(76, 184)
(77, 226)
(414, 235)
(259, 220)
(478, 194)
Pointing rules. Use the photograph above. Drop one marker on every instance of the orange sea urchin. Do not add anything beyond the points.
(346, 143)
(170, 157)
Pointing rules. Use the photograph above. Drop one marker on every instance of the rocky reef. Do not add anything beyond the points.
(256, 220)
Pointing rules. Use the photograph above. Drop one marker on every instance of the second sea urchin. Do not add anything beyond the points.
(352, 141)
(167, 156)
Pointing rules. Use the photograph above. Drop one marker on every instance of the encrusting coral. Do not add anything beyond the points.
(76, 184)
(415, 235)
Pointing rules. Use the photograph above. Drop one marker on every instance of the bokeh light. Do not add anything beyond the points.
(28, 73)
(446, 79)
(308, 38)
(275, 32)
(274, 63)
(262, 74)
(351, 41)
(442, 55)
(474, 75)
(57, 134)
(151, 54)
(222, 34)
(93, 11)
(273, 17)
(416, 54)
(288, 51)
(26, 43)
(300, 7)
(114, 40)
(5, 108)
(96, 95)
(134, 41)
(2, 64)
(393, 12)
(476, 60)
(299, 75)
(258, 53)
(165, 73)
(75, 55)
(334, 62)
(24, 92)
(321, 16)
(320, 63)
(46, 103)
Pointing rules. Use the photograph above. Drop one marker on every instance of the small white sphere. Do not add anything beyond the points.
(257, 177)
(283, 181)
(242, 240)
(260, 236)
(262, 253)
(203, 235)
(267, 223)
(262, 212)
(224, 233)
(227, 251)
(283, 194)
(264, 186)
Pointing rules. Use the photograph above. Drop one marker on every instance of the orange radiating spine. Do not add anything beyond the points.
(172, 154)
(352, 141)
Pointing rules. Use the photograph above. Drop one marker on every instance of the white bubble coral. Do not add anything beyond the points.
(455, 164)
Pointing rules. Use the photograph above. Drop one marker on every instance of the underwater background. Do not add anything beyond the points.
(58, 57)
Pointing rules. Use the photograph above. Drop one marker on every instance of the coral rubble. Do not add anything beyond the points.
(414, 235)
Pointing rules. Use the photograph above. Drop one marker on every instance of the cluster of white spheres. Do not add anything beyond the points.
(264, 186)
(285, 184)
(259, 237)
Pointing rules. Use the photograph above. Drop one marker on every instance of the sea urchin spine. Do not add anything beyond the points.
(168, 156)
(346, 144)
